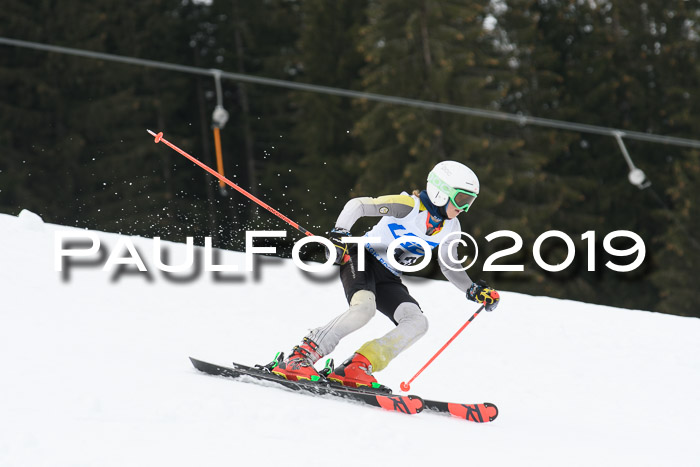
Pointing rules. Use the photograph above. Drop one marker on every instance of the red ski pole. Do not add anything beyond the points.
(407, 386)
(159, 138)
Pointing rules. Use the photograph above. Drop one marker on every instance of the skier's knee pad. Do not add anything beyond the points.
(408, 315)
(363, 303)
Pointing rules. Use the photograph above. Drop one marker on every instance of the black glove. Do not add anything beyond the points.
(481, 293)
(335, 236)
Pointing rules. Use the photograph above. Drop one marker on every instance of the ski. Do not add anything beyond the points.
(479, 413)
(396, 403)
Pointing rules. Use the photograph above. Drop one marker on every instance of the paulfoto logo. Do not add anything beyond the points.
(405, 253)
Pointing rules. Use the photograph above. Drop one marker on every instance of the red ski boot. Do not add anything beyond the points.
(355, 372)
(300, 364)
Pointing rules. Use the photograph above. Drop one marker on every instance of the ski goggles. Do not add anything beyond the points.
(462, 199)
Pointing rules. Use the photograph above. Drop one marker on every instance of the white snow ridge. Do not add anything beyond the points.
(95, 372)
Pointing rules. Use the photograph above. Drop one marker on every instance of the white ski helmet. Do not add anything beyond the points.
(450, 180)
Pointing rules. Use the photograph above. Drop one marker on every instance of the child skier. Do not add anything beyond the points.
(430, 215)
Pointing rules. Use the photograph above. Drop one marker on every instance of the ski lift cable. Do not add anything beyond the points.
(436, 106)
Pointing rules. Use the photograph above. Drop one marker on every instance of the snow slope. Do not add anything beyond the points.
(95, 372)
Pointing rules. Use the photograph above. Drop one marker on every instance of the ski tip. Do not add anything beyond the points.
(199, 364)
(479, 413)
(492, 409)
(418, 404)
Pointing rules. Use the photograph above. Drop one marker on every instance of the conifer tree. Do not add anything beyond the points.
(609, 70)
(328, 56)
(441, 52)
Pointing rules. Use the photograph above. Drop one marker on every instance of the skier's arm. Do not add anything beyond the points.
(460, 279)
(476, 291)
(390, 205)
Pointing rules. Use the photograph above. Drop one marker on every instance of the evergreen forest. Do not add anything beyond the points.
(74, 147)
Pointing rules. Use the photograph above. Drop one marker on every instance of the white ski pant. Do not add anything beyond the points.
(412, 325)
